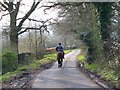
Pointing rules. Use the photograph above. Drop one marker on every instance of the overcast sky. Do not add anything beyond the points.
(38, 14)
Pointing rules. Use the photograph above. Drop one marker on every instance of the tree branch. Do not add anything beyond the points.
(61, 4)
(30, 28)
(2, 9)
(43, 22)
(18, 6)
(6, 14)
(39, 28)
(4, 6)
(11, 6)
(31, 20)
(5, 2)
(29, 13)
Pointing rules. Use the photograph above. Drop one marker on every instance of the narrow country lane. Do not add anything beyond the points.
(66, 77)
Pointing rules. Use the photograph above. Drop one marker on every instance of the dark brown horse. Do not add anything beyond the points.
(60, 58)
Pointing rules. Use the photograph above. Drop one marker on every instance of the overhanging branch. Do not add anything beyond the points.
(3, 5)
(6, 14)
(29, 29)
(29, 13)
(39, 28)
(18, 6)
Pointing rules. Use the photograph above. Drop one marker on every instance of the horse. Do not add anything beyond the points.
(60, 58)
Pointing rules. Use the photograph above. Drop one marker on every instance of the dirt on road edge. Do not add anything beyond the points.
(26, 79)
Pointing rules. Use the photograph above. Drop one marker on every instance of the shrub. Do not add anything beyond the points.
(9, 62)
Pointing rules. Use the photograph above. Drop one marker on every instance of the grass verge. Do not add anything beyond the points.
(106, 73)
(35, 64)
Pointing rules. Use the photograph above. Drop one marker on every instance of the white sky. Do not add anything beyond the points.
(38, 14)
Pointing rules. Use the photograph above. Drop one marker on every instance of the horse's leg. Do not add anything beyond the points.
(58, 58)
(59, 62)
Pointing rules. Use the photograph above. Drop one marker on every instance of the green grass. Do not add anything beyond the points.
(109, 75)
(47, 58)
(67, 51)
(91, 67)
(81, 58)
(9, 74)
(35, 64)
(106, 73)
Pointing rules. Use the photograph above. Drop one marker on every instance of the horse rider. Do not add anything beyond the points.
(60, 48)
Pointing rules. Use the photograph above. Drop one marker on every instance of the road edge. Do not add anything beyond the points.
(94, 77)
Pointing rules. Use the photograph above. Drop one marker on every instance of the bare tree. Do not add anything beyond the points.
(13, 8)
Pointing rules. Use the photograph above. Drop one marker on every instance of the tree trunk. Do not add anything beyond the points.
(36, 44)
(13, 33)
(14, 43)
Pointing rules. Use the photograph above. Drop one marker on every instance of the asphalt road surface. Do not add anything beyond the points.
(66, 77)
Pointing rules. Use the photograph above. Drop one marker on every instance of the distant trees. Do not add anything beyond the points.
(33, 42)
